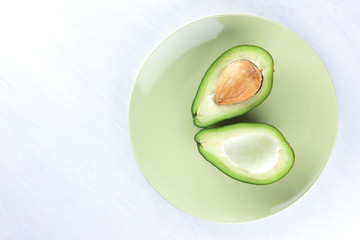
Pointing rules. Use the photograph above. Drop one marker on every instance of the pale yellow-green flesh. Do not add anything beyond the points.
(253, 153)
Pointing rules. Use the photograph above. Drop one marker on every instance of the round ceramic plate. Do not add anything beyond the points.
(302, 105)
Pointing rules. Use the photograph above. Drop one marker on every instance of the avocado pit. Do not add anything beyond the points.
(239, 81)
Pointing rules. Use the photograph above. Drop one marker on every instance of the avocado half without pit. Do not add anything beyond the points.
(239, 80)
(250, 152)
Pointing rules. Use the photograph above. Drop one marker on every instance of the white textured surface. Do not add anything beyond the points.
(66, 166)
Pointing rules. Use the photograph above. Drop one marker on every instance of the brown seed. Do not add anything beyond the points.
(239, 81)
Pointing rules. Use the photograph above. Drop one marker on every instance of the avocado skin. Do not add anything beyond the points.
(231, 173)
(207, 76)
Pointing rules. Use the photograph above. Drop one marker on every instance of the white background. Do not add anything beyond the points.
(66, 166)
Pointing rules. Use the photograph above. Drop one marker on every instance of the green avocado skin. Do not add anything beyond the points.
(235, 110)
(216, 161)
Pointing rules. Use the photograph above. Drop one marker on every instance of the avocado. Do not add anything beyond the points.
(239, 80)
(255, 153)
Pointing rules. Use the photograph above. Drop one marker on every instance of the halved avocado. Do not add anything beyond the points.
(239, 80)
(254, 153)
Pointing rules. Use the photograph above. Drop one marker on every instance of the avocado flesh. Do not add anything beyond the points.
(249, 152)
(204, 109)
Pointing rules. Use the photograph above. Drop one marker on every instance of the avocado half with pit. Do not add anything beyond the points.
(254, 153)
(239, 80)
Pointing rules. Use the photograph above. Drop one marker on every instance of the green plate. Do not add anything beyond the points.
(302, 105)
